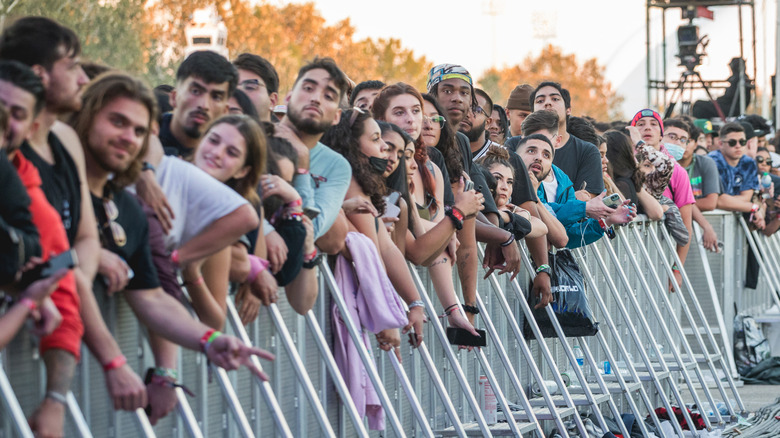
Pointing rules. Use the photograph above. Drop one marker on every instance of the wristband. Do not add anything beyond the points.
(416, 303)
(162, 381)
(208, 338)
(509, 241)
(754, 208)
(302, 171)
(456, 216)
(449, 309)
(28, 303)
(297, 203)
(256, 266)
(175, 257)
(197, 282)
(58, 397)
(309, 257)
(165, 373)
(474, 310)
(115, 363)
(147, 166)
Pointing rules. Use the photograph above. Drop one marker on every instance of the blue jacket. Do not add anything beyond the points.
(570, 211)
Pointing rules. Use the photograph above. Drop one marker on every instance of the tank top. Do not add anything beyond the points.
(61, 183)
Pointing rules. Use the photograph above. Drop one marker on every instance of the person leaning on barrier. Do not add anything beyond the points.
(556, 191)
(23, 92)
(771, 193)
(114, 126)
(738, 174)
(358, 138)
(628, 178)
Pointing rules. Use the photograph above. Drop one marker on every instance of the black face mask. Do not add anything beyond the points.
(378, 164)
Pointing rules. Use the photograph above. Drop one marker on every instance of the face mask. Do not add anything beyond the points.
(676, 151)
(378, 164)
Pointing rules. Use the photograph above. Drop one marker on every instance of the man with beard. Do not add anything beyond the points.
(204, 82)
(451, 85)
(114, 127)
(323, 176)
(554, 188)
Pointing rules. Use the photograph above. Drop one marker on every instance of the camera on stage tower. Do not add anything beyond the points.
(688, 41)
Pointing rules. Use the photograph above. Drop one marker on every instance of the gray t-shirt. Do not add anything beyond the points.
(704, 176)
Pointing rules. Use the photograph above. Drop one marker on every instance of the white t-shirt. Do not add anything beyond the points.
(196, 197)
(550, 185)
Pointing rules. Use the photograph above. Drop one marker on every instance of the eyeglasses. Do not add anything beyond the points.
(117, 231)
(760, 160)
(479, 110)
(673, 137)
(435, 121)
(251, 85)
(733, 142)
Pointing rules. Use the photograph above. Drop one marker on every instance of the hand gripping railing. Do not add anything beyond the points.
(365, 357)
(578, 372)
(697, 307)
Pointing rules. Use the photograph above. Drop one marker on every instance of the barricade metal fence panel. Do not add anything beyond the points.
(433, 390)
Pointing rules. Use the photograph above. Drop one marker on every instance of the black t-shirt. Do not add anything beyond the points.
(628, 189)
(581, 162)
(512, 142)
(60, 182)
(438, 159)
(171, 145)
(475, 174)
(135, 251)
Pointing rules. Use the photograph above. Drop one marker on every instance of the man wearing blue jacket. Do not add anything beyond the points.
(556, 191)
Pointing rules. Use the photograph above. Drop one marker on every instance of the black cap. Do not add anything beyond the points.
(749, 132)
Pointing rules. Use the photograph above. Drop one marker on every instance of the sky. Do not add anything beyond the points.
(613, 31)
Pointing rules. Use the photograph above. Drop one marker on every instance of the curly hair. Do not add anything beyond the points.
(344, 138)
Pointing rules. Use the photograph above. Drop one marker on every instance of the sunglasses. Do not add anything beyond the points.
(733, 142)
(761, 160)
(117, 231)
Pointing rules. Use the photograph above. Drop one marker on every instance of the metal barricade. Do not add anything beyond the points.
(432, 392)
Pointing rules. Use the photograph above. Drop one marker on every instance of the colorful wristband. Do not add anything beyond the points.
(28, 303)
(208, 338)
(297, 203)
(256, 266)
(175, 257)
(166, 373)
(509, 241)
(115, 363)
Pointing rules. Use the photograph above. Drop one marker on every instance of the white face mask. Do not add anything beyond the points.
(676, 151)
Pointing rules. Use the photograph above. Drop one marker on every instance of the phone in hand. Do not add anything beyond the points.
(461, 336)
(613, 201)
(468, 186)
(67, 260)
(391, 205)
(311, 212)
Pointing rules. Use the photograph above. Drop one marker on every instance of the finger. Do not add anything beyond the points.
(406, 329)
(489, 272)
(259, 352)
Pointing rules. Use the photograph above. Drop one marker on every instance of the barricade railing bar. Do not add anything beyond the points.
(652, 338)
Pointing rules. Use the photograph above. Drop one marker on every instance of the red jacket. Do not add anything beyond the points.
(54, 240)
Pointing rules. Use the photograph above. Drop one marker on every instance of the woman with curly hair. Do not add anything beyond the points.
(358, 138)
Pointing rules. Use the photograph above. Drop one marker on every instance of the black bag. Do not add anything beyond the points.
(570, 303)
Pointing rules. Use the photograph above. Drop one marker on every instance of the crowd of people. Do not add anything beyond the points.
(217, 185)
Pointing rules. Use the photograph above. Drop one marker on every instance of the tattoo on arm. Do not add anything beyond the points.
(439, 262)
(60, 367)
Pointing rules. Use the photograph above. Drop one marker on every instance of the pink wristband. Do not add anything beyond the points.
(256, 266)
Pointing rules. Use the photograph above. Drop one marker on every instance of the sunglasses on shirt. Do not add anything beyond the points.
(732, 142)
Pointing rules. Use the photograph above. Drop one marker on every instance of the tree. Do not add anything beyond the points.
(591, 93)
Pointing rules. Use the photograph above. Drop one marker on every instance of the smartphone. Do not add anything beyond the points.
(391, 205)
(469, 186)
(613, 201)
(67, 259)
(459, 336)
(311, 212)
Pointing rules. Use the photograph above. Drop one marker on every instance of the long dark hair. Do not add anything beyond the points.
(622, 163)
(397, 181)
(344, 138)
(448, 145)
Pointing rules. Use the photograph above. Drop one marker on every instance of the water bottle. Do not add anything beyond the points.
(766, 183)
(579, 356)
